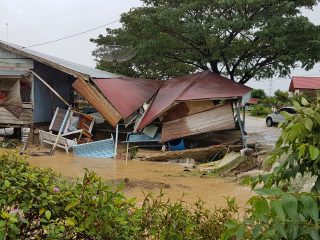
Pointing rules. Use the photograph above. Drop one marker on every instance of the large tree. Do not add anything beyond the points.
(241, 39)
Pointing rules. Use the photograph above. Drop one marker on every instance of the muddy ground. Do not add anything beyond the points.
(258, 131)
(145, 177)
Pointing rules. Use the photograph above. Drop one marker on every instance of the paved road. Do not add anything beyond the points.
(258, 131)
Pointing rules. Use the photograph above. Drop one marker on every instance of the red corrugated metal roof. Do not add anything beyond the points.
(253, 101)
(126, 94)
(198, 86)
(304, 83)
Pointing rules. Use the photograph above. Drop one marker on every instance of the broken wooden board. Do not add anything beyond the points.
(198, 154)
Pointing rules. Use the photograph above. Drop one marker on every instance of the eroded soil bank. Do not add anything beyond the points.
(143, 177)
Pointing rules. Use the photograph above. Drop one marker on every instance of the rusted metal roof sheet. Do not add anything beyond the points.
(199, 86)
(126, 94)
(304, 83)
(75, 69)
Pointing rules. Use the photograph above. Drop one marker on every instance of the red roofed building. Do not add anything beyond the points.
(307, 85)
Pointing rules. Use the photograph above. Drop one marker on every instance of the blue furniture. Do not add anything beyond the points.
(98, 149)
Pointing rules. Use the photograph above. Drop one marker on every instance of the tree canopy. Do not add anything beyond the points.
(258, 93)
(240, 39)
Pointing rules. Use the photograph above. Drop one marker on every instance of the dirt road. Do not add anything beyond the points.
(258, 131)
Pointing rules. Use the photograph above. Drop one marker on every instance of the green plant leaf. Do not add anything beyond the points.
(41, 211)
(48, 214)
(296, 104)
(308, 124)
(70, 221)
(304, 101)
(280, 229)
(314, 233)
(311, 207)
(277, 207)
(290, 206)
(73, 204)
(317, 117)
(6, 183)
(269, 191)
(302, 150)
(314, 152)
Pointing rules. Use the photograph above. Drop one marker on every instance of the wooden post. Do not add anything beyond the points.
(244, 118)
(60, 130)
(127, 152)
(240, 124)
(116, 142)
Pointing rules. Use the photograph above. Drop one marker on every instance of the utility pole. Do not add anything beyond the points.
(270, 86)
(7, 26)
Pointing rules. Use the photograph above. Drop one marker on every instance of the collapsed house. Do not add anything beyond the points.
(31, 83)
(193, 107)
(34, 85)
(196, 104)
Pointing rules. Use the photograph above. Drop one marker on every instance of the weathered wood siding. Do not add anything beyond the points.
(219, 118)
(185, 109)
(7, 119)
(10, 61)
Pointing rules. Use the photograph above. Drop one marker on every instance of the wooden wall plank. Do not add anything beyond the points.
(220, 118)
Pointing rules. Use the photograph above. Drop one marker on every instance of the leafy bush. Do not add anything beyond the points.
(294, 214)
(260, 111)
(38, 204)
(298, 146)
(274, 214)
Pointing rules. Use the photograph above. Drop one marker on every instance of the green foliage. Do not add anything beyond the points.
(282, 98)
(258, 93)
(298, 146)
(260, 110)
(237, 38)
(274, 214)
(269, 102)
(38, 204)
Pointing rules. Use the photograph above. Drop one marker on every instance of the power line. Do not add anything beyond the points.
(73, 35)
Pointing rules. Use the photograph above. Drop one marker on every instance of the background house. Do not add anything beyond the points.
(306, 85)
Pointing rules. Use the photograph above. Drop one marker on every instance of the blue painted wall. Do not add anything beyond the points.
(45, 101)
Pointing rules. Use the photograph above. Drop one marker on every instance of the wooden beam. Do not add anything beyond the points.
(198, 154)
(51, 89)
(99, 102)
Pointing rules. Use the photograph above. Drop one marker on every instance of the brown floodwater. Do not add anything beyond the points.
(145, 177)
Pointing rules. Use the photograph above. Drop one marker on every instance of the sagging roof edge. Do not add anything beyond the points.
(97, 100)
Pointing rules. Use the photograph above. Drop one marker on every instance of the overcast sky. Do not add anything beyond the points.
(35, 21)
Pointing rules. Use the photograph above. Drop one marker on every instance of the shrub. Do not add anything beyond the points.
(38, 204)
(260, 111)
(274, 214)
(298, 146)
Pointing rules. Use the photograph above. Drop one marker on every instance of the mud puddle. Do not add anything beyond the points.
(149, 177)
